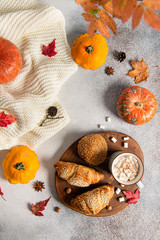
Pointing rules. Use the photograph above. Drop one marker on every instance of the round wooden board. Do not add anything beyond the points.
(71, 155)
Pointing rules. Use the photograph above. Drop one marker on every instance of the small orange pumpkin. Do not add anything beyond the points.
(136, 105)
(10, 61)
(20, 165)
(90, 53)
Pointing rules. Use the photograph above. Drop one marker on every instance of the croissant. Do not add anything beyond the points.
(77, 175)
(92, 202)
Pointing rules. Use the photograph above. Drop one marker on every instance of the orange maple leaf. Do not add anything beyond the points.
(139, 72)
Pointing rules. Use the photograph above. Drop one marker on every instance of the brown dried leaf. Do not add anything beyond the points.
(139, 72)
(137, 15)
(152, 19)
(102, 28)
(108, 20)
(108, 7)
(88, 17)
(92, 29)
(153, 4)
(128, 9)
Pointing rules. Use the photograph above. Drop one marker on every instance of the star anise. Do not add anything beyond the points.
(121, 56)
(109, 70)
(38, 186)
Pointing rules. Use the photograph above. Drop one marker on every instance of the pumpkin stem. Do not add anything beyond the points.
(89, 49)
(138, 104)
(19, 166)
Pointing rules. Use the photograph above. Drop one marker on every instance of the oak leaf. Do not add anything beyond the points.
(102, 28)
(88, 17)
(50, 49)
(92, 28)
(6, 119)
(1, 194)
(137, 15)
(108, 20)
(39, 207)
(153, 4)
(132, 197)
(152, 19)
(139, 72)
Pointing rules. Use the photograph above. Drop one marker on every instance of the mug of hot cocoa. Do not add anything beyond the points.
(126, 168)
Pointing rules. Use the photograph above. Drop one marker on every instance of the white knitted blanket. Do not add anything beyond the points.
(30, 25)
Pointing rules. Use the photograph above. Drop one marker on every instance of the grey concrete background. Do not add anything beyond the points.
(88, 97)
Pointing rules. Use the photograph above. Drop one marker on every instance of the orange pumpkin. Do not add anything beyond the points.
(10, 61)
(90, 53)
(136, 105)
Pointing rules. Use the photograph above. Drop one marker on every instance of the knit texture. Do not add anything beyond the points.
(30, 25)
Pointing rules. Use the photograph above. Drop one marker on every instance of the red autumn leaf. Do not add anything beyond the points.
(128, 9)
(92, 29)
(132, 196)
(1, 194)
(6, 119)
(137, 15)
(102, 28)
(152, 19)
(108, 20)
(88, 17)
(50, 49)
(39, 207)
(153, 4)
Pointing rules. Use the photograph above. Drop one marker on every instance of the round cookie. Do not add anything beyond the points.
(93, 149)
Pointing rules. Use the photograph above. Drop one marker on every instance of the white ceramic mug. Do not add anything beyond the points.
(114, 158)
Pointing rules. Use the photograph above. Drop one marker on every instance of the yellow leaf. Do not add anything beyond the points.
(92, 29)
(153, 4)
(102, 28)
(108, 20)
(88, 17)
(139, 72)
(152, 19)
(138, 13)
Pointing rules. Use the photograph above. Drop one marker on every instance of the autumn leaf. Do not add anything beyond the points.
(132, 197)
(137, 15)
(128, 9)
(39, 207)
(102, 28)
(108, 20)
(118, 6)
(88, 6)
(153, 4)
(6, 119)
(152, 19)
(1, 194)
(50, 49)
(108, 7)
(139, 72)
(92, 28)
(88, 17)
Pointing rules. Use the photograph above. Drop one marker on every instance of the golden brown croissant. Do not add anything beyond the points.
(93, 201)
(77, 175)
